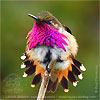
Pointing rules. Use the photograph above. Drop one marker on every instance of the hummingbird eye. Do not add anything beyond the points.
(49, 22)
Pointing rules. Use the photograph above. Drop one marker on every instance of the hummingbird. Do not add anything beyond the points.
(48, 40)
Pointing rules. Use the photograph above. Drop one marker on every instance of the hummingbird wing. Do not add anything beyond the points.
(67, 29)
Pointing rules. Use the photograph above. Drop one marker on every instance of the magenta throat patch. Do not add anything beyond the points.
(43, 34)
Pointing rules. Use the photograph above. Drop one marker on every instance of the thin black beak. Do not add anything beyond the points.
(37, 19)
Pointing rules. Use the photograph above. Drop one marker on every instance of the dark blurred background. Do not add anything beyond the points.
(82, 17)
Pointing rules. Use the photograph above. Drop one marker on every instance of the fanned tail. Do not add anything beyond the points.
(66, 75)
(70, 73)
(60, 76)
(32, 67)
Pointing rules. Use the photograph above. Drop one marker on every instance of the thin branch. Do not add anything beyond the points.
(45, 81)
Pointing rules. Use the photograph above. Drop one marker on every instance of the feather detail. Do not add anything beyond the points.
(69, 73)
(72, 43)
(58, 75)
(64, 83)
(48, 37)
(52, 86)
(39, 69)
(36, 80)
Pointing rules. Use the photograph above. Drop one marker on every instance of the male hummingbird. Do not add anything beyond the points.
(49, 40)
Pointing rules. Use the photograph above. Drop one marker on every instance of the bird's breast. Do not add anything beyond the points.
(45, 54)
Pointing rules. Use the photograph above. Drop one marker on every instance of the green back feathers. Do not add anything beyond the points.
(45, 15)
(50, 19)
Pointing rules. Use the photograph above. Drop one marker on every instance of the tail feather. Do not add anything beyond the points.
(77, 63)
(49, 85)
(71, 77)
(55, 85)
(39, 69)
(75, 70)
(36, 80)
(64, 83)
(28, 63)
(31, 70)
(60, 76)
(24, 56)
(52, 86)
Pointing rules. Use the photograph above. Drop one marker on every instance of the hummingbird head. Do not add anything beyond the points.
(48, 18)
(45, 32)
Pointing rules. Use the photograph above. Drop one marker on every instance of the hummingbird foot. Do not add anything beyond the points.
(48, 69)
